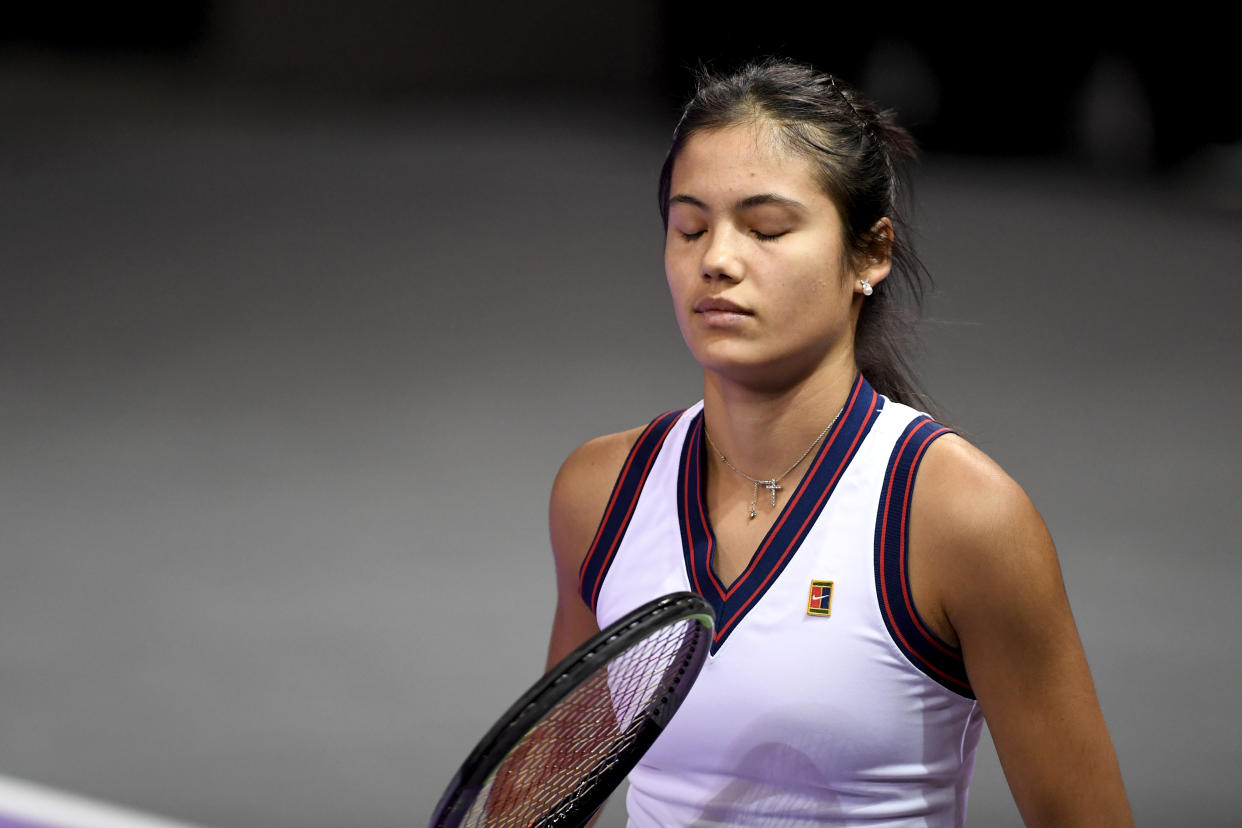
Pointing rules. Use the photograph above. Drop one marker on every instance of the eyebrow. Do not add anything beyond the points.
(757, 200)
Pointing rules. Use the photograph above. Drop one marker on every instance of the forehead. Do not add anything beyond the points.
(740, 160)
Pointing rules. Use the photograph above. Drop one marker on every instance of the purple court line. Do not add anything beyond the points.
(9, 822)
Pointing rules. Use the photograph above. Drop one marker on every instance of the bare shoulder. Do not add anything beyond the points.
(977, 540)
(581, 491)
(579, 496)
(985, 573)
(970, 498)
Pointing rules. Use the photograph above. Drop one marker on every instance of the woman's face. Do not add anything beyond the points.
(755, 259)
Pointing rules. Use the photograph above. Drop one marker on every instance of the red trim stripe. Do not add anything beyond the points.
(893, 625)
(903, 546)
(639, 444)
(692, 451)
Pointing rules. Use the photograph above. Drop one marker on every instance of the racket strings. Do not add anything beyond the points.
(581, 737)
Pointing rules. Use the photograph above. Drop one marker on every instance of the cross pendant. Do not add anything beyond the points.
(771, 486)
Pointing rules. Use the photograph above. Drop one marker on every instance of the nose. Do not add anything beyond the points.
(722, 259)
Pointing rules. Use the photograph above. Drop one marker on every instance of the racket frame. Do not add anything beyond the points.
(594, 654)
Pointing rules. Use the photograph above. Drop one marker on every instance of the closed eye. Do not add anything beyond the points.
(691, 236)
(768, 236)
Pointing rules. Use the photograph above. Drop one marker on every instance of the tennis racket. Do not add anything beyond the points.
(566, 744)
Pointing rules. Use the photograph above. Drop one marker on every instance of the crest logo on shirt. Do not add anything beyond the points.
(820, 600)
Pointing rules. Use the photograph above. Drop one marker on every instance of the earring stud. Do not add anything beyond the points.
(867, 289)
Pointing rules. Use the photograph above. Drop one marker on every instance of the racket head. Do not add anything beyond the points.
(670, 635)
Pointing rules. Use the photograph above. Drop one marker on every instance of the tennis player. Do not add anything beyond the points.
(881, 586)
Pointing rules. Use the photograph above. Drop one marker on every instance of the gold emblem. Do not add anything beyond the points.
(820, 600)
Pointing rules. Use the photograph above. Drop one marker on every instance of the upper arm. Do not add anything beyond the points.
(580, 494)
(984, 566)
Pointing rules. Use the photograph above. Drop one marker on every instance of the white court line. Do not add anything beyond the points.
(47, 808)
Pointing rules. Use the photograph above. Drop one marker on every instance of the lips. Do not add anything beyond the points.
(715, 303)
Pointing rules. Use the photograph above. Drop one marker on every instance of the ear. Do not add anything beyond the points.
(875, 264)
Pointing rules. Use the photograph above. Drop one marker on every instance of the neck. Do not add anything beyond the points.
(763, 431)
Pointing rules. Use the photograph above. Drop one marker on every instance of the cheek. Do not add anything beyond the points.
(670, 274)
(676, 290)
(810, 284)
(814, 300)
(679, 270)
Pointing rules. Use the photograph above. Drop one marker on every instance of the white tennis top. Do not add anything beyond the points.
(824, 699)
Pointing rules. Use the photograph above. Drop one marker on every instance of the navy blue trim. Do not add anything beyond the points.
(616, 517)
(798, 515)
(935, 658)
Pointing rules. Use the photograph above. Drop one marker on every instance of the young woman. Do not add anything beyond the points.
(881, 587)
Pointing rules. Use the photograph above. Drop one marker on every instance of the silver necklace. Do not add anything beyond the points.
(772, 483)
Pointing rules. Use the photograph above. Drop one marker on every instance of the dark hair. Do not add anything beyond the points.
(863, 159)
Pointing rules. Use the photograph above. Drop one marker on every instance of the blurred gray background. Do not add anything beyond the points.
(303, 304)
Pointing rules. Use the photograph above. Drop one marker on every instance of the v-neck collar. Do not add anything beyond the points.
(778, 546)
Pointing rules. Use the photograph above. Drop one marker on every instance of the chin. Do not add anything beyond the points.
(752, 373)
(749, 367)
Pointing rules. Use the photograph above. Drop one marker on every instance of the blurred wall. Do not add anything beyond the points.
(1128, 93)
(475, 44)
